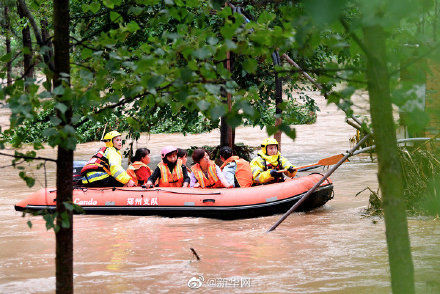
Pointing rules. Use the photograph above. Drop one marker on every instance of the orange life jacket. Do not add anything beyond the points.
(131, 170)
(168, 179)
(243, 172)
(98, 162)
(212, 181)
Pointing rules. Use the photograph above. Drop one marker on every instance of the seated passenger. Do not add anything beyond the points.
(236, 170)
(269, 161)
(139, 170)
(205, 173)
(182, 154)
(104, 169)
(170, 172)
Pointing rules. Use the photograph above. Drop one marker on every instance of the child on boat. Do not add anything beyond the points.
(138, 169)
(205, 173)
(104, 169)
(269, 166)
(236, 170)
(170, 172)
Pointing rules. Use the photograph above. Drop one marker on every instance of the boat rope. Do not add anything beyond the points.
(84, 189)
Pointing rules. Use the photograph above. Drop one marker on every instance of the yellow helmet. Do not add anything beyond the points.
(108, 138)
(268, 141)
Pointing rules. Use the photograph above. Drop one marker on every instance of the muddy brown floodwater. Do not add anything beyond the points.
(330, 250)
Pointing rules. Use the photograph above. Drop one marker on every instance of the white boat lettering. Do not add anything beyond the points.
(85, 202)
(154, 201)
(146, 201)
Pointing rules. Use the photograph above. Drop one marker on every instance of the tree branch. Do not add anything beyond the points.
(28, 157)
(37, 33)
(355, 38)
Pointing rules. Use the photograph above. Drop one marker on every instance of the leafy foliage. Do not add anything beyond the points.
(421, 171)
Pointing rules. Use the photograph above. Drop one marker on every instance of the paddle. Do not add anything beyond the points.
(323, 162)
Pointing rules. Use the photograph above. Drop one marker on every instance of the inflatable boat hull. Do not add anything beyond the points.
(233, 203)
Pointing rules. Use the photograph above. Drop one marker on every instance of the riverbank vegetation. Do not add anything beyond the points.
(421, 181)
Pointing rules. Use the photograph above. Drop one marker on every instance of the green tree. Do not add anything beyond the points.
(134, 58)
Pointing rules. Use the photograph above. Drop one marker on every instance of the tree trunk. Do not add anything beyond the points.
(47, 42)
(28, 67)
(278, 97)
(390, 171)
(64, 237)
(8, 45)
(227, 133)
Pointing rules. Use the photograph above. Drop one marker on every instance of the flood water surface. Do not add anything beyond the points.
(333, 249)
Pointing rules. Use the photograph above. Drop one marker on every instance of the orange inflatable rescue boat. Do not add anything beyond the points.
(234, 203)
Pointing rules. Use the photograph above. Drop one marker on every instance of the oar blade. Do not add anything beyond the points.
(331, 160)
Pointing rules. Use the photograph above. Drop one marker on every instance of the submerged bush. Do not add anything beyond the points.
(421, 181)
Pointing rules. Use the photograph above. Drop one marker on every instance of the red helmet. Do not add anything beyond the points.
(167, 150)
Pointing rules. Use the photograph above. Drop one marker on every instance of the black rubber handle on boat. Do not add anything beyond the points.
(208, 200)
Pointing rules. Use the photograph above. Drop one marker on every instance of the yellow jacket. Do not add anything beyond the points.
(116, 170)
(263, 164)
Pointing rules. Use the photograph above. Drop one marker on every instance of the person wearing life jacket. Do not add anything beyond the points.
(138, 170)
(205, 173)
(182, 154)
(170, 172)
(268, 162)
(104, 169)
(236, 170)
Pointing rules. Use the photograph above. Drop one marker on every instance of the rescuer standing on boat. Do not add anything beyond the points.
(269, 166)
(104, 169)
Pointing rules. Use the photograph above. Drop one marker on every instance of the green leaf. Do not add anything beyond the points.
(114, 16)
(155, 81)
(203, 105)
(45, 94)
(49, 218)
(218, 111)
(29, 223)
(65, 222)
(132, 26)
(201, 53)
(265, 17)
(30, 182)
(55, 120)
(85, 7)
(61, 107)
(324, 11)
(109, 3)
(6, 57)
(213, 89)
(230, 44)
(250, 65)
(68, 206)
(59, 91)
(95, 6)
(26, 51)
